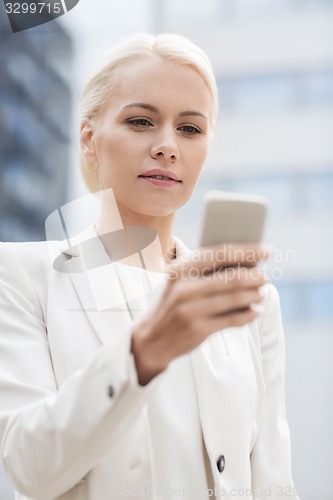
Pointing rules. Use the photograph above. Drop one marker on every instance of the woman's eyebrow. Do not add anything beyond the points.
(193, 113)
(142, 105)
(153, 109)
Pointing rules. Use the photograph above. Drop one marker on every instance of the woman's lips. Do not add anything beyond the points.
(159, 177)
(160, 180)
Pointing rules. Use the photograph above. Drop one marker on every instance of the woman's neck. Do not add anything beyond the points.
(154, 242)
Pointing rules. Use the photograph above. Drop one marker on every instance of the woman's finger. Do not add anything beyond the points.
(219, 304)
(212, 259)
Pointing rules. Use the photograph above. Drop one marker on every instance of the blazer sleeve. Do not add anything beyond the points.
(50, 439)
(271, 456)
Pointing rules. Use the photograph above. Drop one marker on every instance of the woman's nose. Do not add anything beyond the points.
(165, 146)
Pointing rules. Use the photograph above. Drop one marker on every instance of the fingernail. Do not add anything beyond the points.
(258, 308)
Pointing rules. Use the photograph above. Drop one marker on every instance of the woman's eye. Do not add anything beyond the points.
(189, 129)
(139, 122)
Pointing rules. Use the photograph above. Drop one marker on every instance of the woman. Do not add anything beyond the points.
(121, 376)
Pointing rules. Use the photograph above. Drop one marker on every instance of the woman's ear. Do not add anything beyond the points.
(87, 145)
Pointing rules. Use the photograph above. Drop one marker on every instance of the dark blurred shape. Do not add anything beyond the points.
(26, 15)
(21, 20)
(70, 4)
(35, 103)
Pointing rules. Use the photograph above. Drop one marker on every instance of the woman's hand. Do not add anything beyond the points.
(217, 287)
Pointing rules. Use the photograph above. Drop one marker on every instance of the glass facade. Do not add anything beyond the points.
(35, 106)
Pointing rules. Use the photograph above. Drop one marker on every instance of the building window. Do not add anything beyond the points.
(255, 7)
(306, 302)
(261, 6)
(286, 194)
(318, 89)
(276, 93)
(320, 192)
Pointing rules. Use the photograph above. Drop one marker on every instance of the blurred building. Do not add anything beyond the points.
(35, 105)
(274, 62)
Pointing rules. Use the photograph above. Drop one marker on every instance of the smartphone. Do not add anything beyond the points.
(232, 218)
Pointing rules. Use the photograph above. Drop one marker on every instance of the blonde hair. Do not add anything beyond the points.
(98, 89)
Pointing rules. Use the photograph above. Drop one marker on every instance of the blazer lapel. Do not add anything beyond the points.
(111, 294)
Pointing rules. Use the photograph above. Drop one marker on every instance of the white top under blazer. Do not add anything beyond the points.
(76, 425)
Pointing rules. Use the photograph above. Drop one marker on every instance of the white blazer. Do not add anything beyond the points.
(72, 415)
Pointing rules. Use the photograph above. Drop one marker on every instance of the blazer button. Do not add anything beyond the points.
(220, 463)
(110, 391)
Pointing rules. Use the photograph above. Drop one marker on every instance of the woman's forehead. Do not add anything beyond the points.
(156, 80)
(157, 68)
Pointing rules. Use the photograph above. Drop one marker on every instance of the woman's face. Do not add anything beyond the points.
(156, 124)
